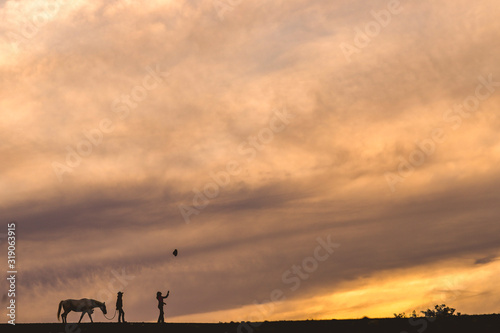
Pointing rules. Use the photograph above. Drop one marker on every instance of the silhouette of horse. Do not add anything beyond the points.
(84, 305)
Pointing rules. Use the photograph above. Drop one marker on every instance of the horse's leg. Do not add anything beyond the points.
(90, 317)
(81, 317)
(64, 315)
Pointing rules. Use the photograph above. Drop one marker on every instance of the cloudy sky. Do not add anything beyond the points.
(335, 159)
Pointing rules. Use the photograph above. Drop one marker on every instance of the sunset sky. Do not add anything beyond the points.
(334, 158)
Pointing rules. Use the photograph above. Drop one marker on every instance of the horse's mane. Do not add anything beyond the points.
(96, 302)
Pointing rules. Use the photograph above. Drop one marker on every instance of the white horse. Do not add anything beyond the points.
(84, 305)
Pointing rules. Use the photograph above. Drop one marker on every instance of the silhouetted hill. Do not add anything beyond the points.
(480, 323)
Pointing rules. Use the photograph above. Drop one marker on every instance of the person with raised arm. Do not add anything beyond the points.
(161, 303)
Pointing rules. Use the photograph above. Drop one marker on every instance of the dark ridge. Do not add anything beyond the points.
(464, 323)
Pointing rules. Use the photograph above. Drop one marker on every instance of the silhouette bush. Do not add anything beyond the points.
(400, 315)
(439, 311)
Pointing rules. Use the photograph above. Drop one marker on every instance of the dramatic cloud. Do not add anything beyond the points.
(250, 135)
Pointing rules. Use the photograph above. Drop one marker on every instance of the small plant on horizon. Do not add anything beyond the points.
(400, 315)
(414, 314)
(439, 311)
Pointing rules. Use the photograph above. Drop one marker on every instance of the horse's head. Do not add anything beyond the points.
(103, 308)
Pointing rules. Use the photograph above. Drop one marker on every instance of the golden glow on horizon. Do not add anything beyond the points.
(380, 296)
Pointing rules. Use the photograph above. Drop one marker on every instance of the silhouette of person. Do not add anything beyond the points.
(119, 307)
(160, 299)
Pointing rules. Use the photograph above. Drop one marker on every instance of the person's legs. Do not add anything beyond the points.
(120, 316)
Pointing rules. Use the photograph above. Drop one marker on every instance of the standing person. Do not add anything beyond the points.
(160, 299)
(119, 307)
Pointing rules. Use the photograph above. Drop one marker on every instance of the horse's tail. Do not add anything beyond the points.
(59, 310)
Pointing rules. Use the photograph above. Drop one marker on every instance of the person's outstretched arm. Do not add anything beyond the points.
(168, 292)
